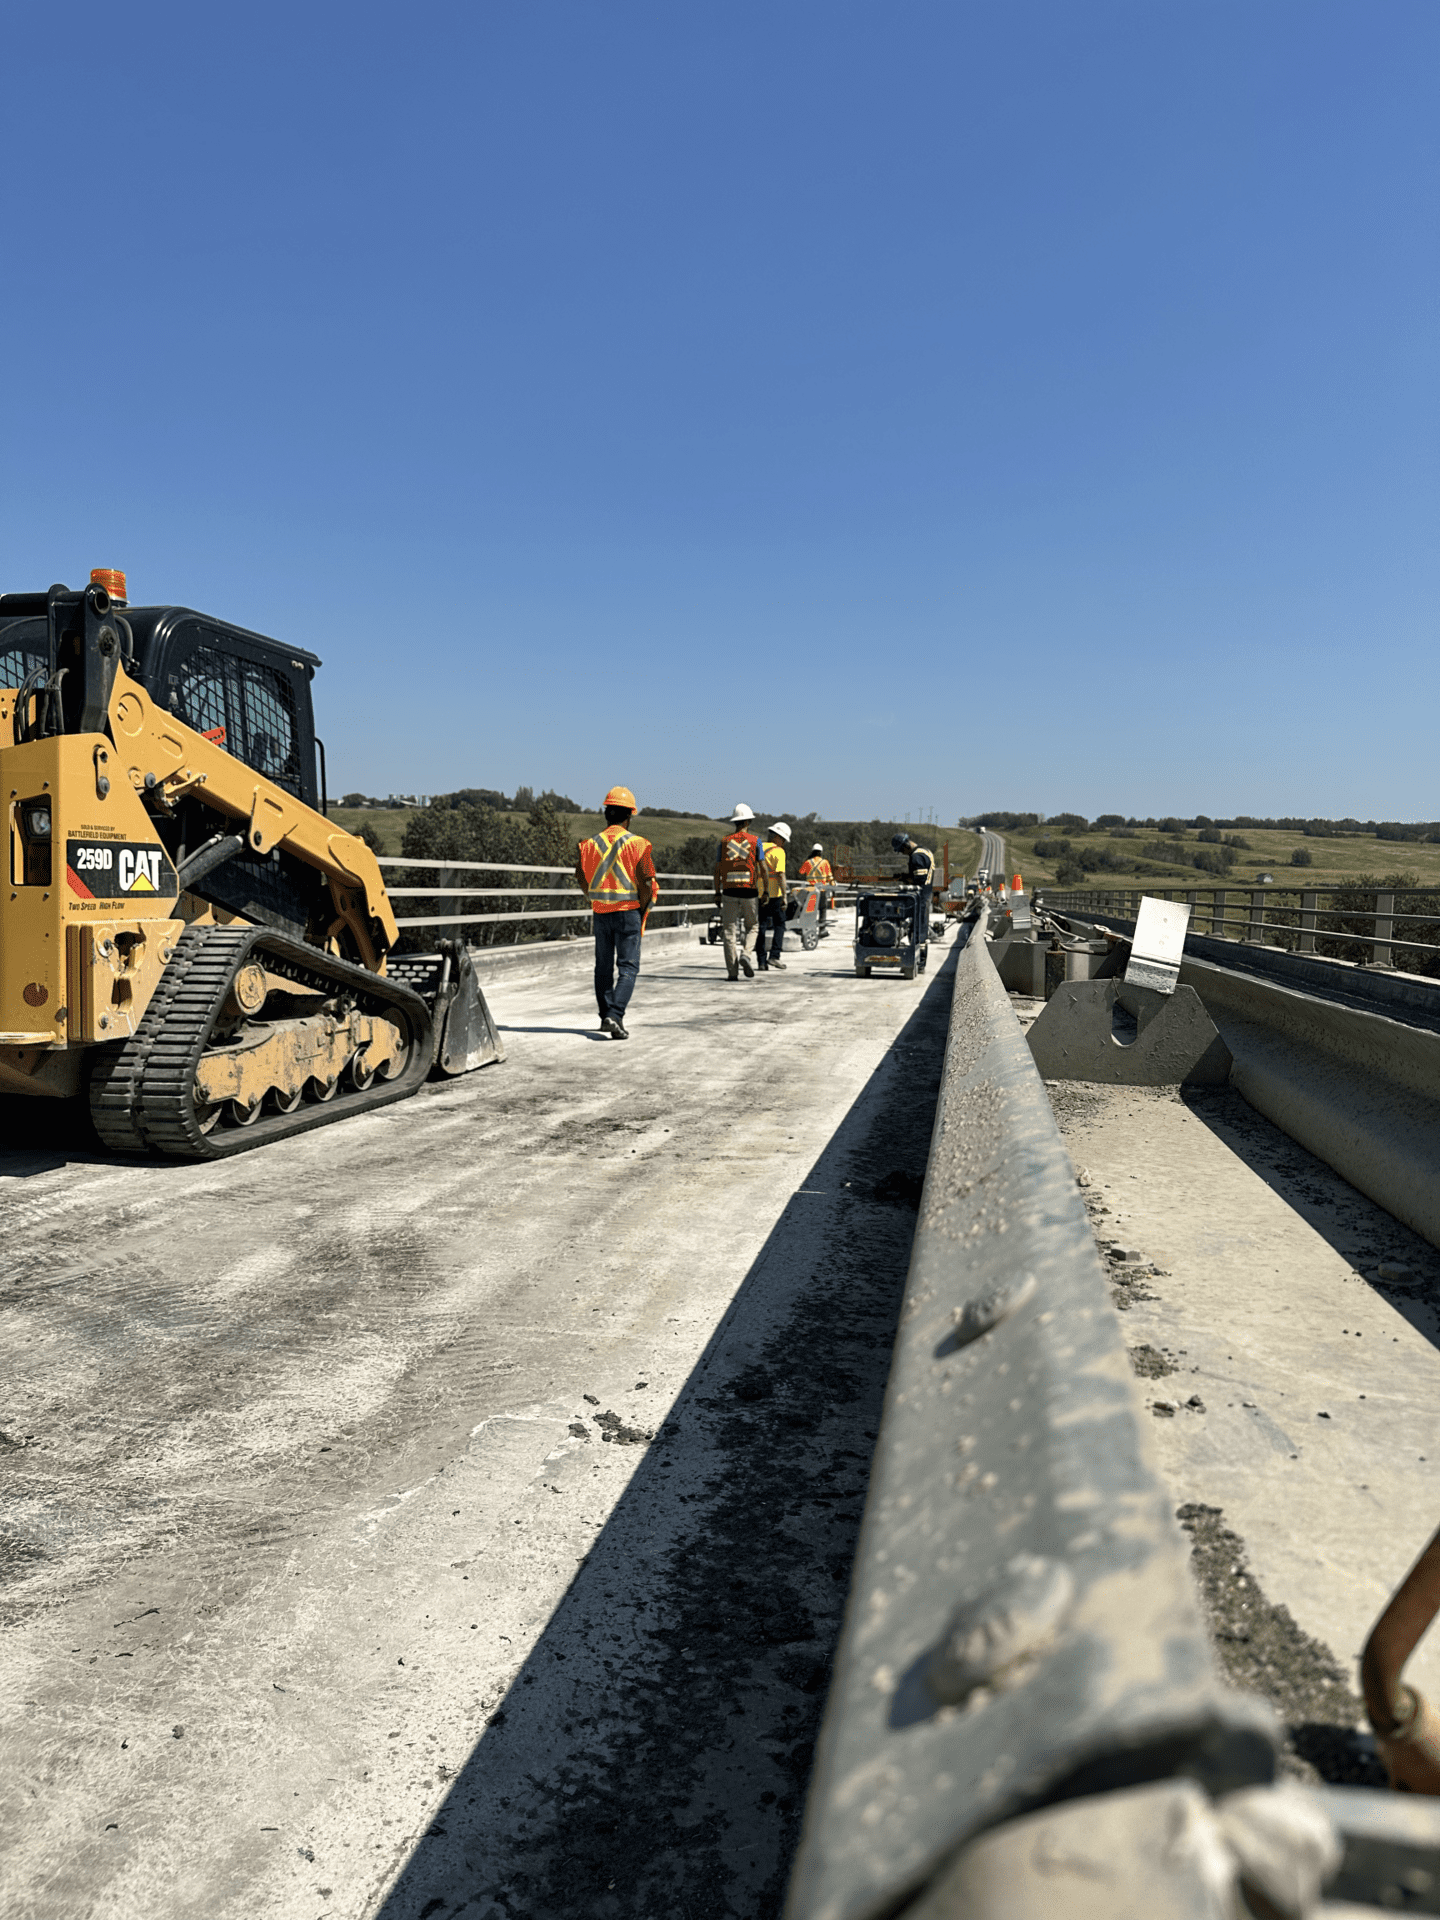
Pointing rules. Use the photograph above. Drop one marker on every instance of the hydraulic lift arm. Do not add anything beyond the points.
(163, 760)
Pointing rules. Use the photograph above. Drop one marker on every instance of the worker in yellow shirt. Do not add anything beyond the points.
(772, 898)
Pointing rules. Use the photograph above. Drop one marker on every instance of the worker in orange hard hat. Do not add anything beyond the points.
(616, 873)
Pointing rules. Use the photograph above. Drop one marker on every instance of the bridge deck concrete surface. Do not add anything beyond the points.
(455, 1507)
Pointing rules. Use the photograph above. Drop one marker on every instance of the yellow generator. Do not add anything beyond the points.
(185, 935)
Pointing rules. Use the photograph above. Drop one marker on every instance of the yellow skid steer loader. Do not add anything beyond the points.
(184, 932)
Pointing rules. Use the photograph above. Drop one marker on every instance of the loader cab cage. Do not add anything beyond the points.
(249, 694)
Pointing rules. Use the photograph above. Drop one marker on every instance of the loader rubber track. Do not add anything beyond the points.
(142, 1094)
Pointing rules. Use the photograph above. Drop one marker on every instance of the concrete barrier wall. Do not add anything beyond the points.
(1360, 1090)
(1022, 1626)
(1344, 1059)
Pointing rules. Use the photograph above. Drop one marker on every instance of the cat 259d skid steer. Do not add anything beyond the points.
(184, 932)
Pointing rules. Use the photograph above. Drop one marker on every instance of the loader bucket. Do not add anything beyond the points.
(465, 1035)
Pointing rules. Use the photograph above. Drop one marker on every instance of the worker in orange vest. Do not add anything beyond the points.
(817, 870)
(616, 872)
(737, 887)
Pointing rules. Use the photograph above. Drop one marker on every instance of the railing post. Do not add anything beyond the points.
(1217, 914)
(1307, 921)
(1256, 934)
(1380, 955)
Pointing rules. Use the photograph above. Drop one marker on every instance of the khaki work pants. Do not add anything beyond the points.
(745, 909)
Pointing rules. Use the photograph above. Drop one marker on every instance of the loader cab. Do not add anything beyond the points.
(246, 693)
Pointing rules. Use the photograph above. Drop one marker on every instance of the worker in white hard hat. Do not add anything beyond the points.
(817, 871)
(737, 890)
(772, 898)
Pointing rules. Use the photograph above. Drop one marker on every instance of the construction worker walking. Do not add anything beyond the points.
(737, 887)
(616, 872)
(772, 898)
(818, 872)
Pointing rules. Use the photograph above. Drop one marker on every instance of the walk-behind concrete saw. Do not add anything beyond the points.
(186, 936)
(889, 935)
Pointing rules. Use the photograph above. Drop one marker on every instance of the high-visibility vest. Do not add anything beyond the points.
(922, 865)
(608, 863)
(773, 877)
(739, 861)
(817, 871)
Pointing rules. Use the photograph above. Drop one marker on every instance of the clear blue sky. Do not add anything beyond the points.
(850, 406)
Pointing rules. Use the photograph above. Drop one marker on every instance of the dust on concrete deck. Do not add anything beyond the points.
(456, 1505)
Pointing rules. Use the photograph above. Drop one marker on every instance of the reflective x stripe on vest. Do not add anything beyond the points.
(608, 883)
(739, 855)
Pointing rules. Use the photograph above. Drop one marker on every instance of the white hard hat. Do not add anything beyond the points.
(782, 829)
(817, 848)
(741, 812)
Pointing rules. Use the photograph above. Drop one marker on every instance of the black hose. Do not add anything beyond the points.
(215, 852)
(28, 686)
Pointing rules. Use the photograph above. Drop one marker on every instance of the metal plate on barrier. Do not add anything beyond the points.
(1158, 943)
(1022, 1625)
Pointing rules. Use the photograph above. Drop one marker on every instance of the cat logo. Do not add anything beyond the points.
(139, 870)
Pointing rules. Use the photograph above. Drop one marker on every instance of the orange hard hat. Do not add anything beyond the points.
(620, 797)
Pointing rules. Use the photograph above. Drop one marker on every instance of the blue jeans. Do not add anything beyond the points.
(772, 931)
(617, 960)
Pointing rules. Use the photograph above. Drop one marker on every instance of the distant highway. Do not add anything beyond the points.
(992, 853)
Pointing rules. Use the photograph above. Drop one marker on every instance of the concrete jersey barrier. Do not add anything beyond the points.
(1360, 1090)
(1022, 1626)
(1344, 1059)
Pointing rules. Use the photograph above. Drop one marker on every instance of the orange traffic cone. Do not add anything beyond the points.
(1018, 886)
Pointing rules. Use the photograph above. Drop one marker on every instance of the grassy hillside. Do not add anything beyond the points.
(1335, 862)
(390, 823)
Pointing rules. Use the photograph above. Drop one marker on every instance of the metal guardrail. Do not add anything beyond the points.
(1022, 1627)
(684, 905)
(1343, 929)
